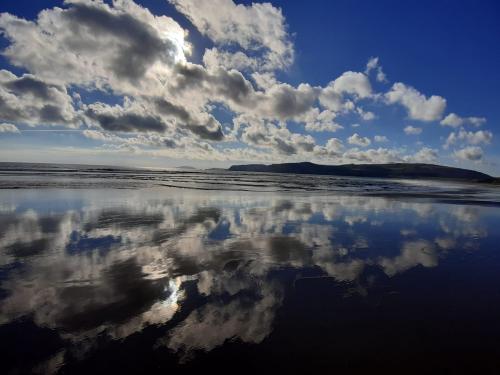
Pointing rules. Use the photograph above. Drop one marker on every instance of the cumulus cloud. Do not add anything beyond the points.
(424, 155)
(215, 58)
(116, 119)
(473, 138)
(455, 121)
(287, 102)
(171, 107)
(418, 105)
(412, 130)
(353, 83)
(8, 128)
(321, 121)
(358, 140)
(122, 45)
(333, 147)
(259, 28)
(30, 100)
(125, 141)
(375, 155)
(470, 153)
(268, 135)
(203, 125)
(331, 99)
(280, 101)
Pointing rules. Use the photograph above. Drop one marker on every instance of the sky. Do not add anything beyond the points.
(165, 83)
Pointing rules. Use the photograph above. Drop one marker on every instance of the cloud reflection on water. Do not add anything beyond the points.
(112, 263)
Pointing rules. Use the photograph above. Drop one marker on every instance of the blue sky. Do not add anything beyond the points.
(160, 84)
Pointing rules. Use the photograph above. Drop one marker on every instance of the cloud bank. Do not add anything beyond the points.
(123, 76)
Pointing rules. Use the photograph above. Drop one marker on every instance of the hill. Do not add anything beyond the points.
(392, 170)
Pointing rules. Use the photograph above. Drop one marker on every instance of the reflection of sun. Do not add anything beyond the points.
(175, 293)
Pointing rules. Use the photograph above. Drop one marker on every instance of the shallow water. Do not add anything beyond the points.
(155, 279)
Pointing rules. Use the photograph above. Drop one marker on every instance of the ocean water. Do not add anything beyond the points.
(109, 270)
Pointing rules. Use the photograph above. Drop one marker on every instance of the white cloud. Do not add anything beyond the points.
(132, 142)
(419, 107)
(259, 27)
(356, 84)
(214, 58)
(374, 64)
(471, 153)
(379, 155)
(365, 115)
(334, 146)
(353, 83)
(317, 121)
(455, 121)
(8, 128)
(476, 121)
(452, 120)
(266, 134)
(123, 46)
(473, 138)
(168, 104)
(381, 76)
(357, 140)
(96, 135)
(424, 155)
(331, 99)
(412, 130)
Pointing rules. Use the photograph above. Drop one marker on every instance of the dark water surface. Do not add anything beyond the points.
(103, 274)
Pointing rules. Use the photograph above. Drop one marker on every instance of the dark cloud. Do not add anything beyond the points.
(229, 85)
(210, 130)
(232, 86)
(127, 122)
(140, 45)
(8, 113)
(288, 101)
(169, 109)
(306, 146)
(255, 137)
(31, 100)
(280, 101)
(29, 84)
(284, 147)
(169, 143)
(189, 76)
(51, 114)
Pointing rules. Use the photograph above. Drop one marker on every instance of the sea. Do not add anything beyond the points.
(109, 270)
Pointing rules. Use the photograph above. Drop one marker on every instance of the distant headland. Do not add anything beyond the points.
(390, 170)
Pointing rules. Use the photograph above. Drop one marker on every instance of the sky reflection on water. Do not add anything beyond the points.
(191, 277)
